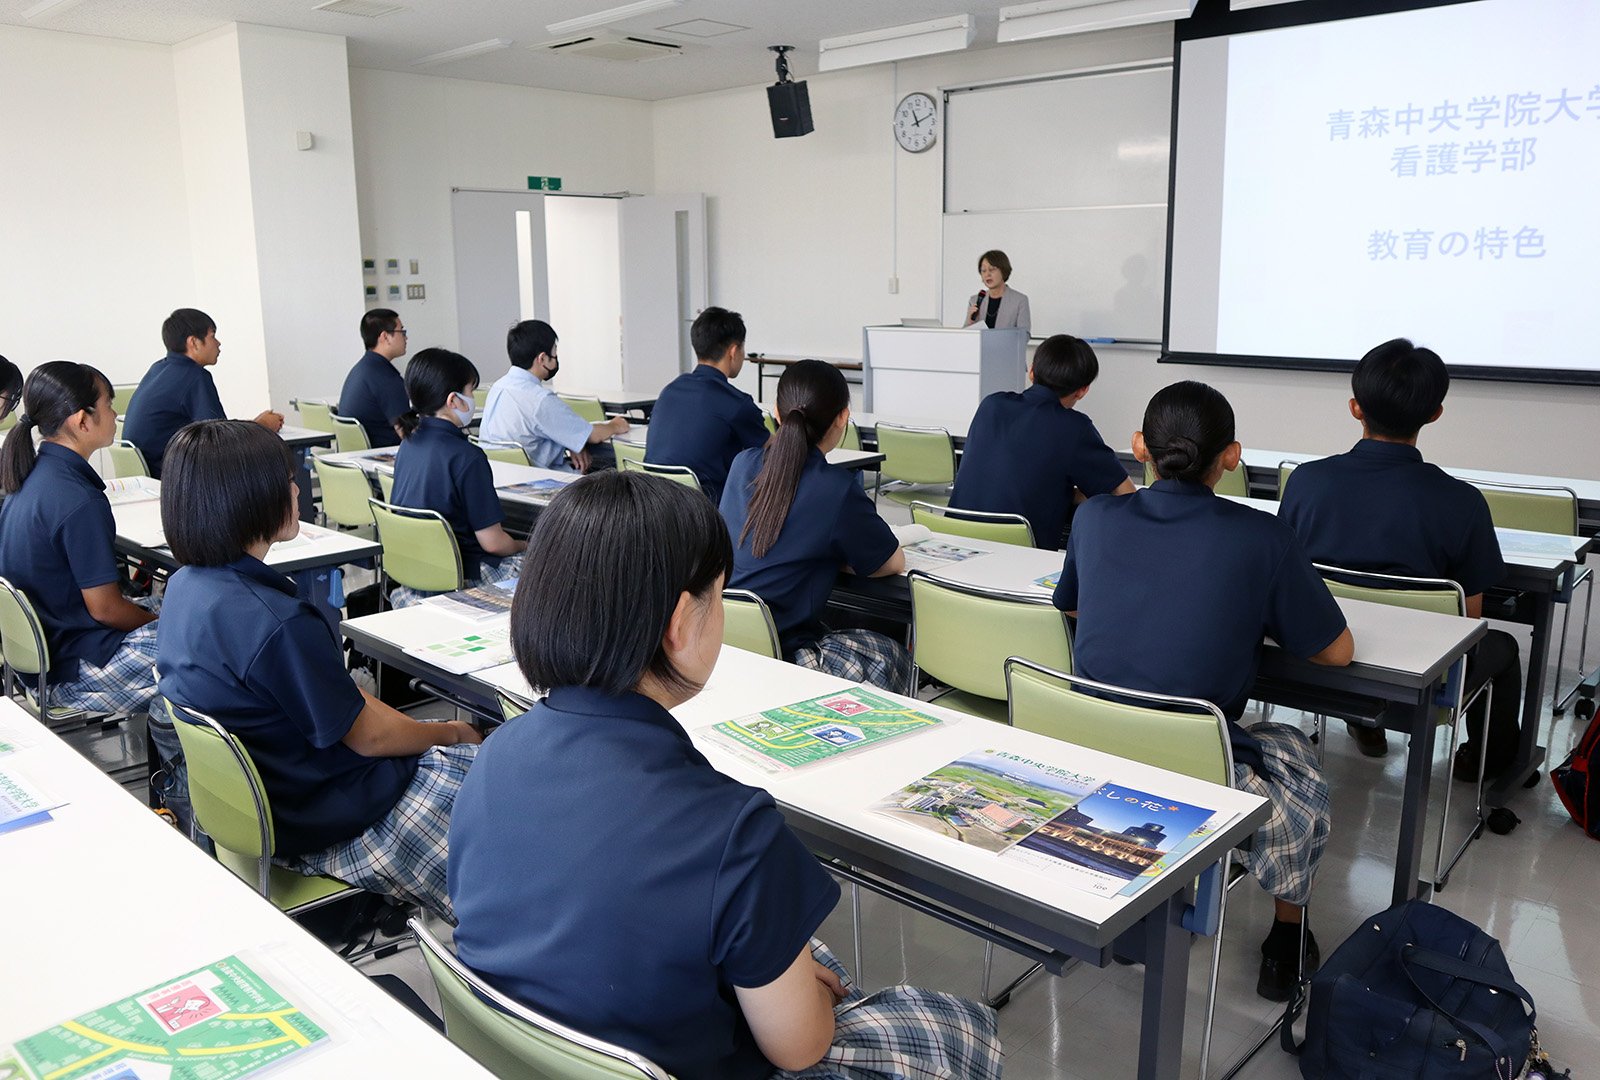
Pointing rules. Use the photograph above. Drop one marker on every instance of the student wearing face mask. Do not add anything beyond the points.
(522, 408)
(437, 468)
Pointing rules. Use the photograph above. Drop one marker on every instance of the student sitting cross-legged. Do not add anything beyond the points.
(604, 873)
(437, 468)
(359, 791)
(1033, 453)
(796, 521)
(1174, 588)
(57, 543)
(1381, 508)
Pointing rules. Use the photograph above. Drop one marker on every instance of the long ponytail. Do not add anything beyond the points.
(53, 394)
(811, 395)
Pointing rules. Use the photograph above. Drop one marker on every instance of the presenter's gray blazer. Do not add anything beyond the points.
(1013, 311)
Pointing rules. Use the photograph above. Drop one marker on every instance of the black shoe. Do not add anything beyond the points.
(1465, 768)
(1372, 741)
(1280, 967)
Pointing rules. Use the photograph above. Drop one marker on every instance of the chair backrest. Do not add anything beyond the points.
(510, 1039)
(349, 435)
(627, 451)
(121, 395)
(316, 415)
(346, 492)
(1183, 735)
(126, 460)
(22, 640)
(229, 799)
(509, 452)
(386, 485)
(1538, 509)
(480, 396)
(1235, 483)
(1284, 469)
(770, 421)
(681, 474)
(961, 634)
(587, 407)
(851, 440)
(747, 624)
(511, 705)
(1001, 528)
(916, 455)
(419, 547)
(1439, 595)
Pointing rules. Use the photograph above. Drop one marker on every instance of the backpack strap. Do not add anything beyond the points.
(1448, 965)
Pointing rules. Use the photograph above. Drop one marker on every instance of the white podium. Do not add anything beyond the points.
(937, 373)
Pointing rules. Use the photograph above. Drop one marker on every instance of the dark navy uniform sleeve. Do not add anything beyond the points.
(749, 429)
(770, 897)
(204, 404)
(1479, 564)
(1302, 615)
(392, 400)
(86, 538)
(1097, 470)
(478, 498)
(863, 539)
(300, 667)
(1065, 595)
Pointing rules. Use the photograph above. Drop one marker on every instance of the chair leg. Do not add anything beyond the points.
(1558, 700)
(1441, 868)
(1216, 968)
(855, 927)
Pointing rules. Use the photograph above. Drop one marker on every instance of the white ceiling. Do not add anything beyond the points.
(423, 27)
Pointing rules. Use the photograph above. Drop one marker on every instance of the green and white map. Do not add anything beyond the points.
(816, 729)
(217, 1023)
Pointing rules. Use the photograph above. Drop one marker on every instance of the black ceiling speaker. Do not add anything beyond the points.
(789, 102)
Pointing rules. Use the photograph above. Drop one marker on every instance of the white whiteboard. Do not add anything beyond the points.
(1068, 176)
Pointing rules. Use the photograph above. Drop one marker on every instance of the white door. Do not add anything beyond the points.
(664, 285)
(496, 250)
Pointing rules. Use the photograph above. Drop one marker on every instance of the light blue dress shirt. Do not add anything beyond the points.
(523, 410)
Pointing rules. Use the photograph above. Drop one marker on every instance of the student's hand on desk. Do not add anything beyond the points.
(272, 421)
(619, 426)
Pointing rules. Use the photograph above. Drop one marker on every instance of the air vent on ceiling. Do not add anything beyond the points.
(369, 9)
(617, 48)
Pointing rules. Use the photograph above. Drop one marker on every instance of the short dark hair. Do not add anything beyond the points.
(431, 377)
(997, 259)
(376, 323)
(616, 551)
(1187, 426)
(1399, 387)
(183, 324)
(714, 330)
(526, 340)
(224, 486)
(1064, 364)
(10, 387)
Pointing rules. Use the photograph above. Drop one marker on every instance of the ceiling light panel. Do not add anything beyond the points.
(367, 9)
(464, 52)
(611, 15)
(701, 28)
(896, 43)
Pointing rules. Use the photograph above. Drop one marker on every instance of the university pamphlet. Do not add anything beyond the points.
(1104, 838)
(932, 554)
(478, 604)
(468, 652)
(21, 804)
(220, 1022)
(132, 489)
(540, 488)
(816, 729)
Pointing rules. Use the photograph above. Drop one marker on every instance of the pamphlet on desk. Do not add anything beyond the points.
(817, 729)
(478, 604)
(466, 652)
(543, 486)
(132, 489)
(21, 803)
(1101, 837)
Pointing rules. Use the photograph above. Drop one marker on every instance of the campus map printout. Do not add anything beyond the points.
(217, 1023)
(816, 729)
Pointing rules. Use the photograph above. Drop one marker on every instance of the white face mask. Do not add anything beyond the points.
(463, 416)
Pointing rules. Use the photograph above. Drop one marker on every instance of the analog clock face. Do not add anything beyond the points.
(916, 122)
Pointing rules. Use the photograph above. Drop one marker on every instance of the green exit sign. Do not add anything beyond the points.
(544, 183)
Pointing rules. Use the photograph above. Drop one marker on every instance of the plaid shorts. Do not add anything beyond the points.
(1288, 846)
(491, 571)
(126, 683)
(903, 1033)
(403, 854)
(862, 656)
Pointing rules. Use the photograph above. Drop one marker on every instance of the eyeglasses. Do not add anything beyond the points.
(400, 330)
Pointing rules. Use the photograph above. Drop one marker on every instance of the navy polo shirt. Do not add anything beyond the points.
(239, 646)
(1026, 453)
(175, 392)
(1175, 588)
(605, 874)
(438, 469)
(56, 539)
(1381, 508)
(703, 421)
(831, 524)
(375, 394)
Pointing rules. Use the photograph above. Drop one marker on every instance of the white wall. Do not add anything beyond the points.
(583, 253)
(94, 224)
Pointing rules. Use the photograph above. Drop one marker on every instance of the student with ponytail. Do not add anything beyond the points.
(1174, 589)
(796, 520)
(56, 543)
(436, 468)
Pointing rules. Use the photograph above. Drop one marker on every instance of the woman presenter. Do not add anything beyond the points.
(997, 306)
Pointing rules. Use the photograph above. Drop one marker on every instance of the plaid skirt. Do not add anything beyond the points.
(491, 571)
(403, 854)
(862, 656)
(903, 1033)
(126, 683)
(1288, 846)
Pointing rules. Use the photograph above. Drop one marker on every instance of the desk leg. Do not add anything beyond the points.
(1414, 808)
(302, 476)
(1530, 755)
(1166, 991)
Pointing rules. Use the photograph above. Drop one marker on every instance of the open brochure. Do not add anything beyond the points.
(1101, 837)
(467, 652)
(933, 554)
(21, 805)
(478, 604)
(217, 1023)
(132, 489)
(540, 488)
(816, 729)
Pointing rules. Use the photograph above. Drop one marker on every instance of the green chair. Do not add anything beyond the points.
(851, 439)
(126, 460)
(480, 397)
(121, 396)
(231, 806)
(770, 421)
(1235, 483)
(509, 452)
(681, 474)
(349, 435)
(386, 485)
(419, 548)
(26, 652)
(922, 459)
(587, 407)
(1284, 469)
(316, 415)
(974, 524)
(961, 635)
(627, 451)
(511, 705)
(510, 1039)
(1183, 735)
(346, 493)
(747, 624)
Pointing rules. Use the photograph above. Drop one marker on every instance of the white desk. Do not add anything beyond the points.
(1588, 491)
(638, 435)
(106, 901)
(302, 436)
(506, 473)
